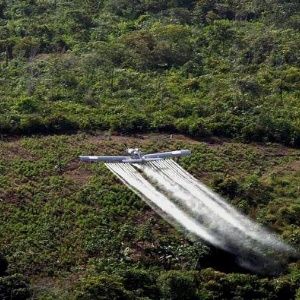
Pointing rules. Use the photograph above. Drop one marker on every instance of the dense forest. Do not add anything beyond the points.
(220, 77)
(208, 67)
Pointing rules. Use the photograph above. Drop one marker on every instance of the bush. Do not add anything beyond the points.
(26, 105)
(245, 286)
(241, 286)
(3, 265)
(250, 189)
(102, 287)
(192, 126)
(228, 187)
(178, 285)
(32, 125)
(60, 123)
(255, 191)
(298, 294)
(140, 281)
(129, 122)
(14, 287)
(290, 214)
(5, 125)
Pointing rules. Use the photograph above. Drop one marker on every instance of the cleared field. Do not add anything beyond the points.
(62, 220)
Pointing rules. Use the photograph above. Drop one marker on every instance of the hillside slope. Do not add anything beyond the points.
(65, 222)
(81, 77)
(221, 67)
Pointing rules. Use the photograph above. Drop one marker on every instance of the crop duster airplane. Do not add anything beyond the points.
(135, 156)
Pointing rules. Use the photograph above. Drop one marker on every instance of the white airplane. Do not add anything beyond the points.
(135, 156)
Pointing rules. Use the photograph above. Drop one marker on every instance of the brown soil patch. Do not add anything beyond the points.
(140, 138)
(12, 198)
(294, 166)
(57, 286)
(13, 150)
(145, 216)
(77, 172)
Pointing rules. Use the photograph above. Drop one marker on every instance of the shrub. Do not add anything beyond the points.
(32, 125)
(3, 265)
(242, 286)
(14, 287)
(227, 186)
(129, 122)
(290, 214)
(192, 126)
(298, 294)
(26, 105)
(255, 191)
(178, 285)
(142, 282)
(5, 125)
(60, 123)
(102, 287)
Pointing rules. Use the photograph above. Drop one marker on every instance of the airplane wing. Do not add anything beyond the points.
(107, 159)
(176, 153)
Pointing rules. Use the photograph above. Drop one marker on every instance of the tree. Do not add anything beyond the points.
(12, 287)
(102, 287)
(176, 285)
(141, 282)
(3, 265)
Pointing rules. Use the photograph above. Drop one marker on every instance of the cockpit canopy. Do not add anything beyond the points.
(134, 152)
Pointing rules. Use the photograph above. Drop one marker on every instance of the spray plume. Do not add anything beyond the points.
(190, 205)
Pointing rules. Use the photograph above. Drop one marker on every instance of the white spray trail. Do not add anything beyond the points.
(199, 196)
(183, 200)
(140, 185)
(205, 213)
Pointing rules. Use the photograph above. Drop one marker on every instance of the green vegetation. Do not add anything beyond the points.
(203, 68)
(77, 232)
(12, 286)
(224, 70)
